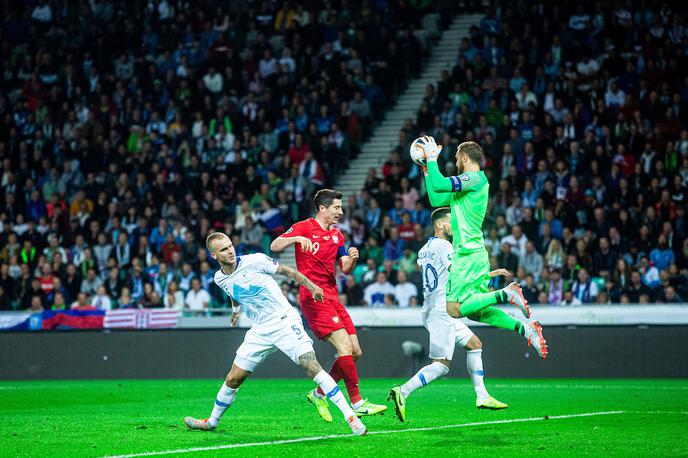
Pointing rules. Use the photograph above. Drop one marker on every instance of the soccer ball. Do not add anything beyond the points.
(417, 151)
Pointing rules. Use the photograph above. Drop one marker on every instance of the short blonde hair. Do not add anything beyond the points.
(212, 237)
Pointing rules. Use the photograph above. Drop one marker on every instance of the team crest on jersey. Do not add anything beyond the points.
(335, 319)
(335, 239)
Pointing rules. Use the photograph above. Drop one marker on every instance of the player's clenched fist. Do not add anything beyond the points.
(353, 254)
(306, 244)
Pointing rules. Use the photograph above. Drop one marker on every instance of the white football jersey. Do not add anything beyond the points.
(252, 286)
(434, 260)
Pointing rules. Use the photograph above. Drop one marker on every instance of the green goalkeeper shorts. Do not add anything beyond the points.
(469, 274)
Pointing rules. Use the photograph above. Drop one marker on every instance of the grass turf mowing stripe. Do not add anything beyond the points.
(391, 431)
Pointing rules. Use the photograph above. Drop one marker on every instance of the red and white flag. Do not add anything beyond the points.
(141, 318)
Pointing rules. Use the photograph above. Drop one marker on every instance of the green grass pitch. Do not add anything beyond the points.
(103, 418)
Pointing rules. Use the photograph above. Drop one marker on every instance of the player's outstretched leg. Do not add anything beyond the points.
(514, 296)
(329, 386)
(475, 303)
(424, 376)
(499, 319)
(225, 398)
(533, 334)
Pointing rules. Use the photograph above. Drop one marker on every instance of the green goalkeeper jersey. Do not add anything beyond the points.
(467, 196)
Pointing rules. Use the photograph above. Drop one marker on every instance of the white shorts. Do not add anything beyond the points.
(445, 334)
(286, 334)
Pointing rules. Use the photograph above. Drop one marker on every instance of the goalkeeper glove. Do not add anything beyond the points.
(432, 149)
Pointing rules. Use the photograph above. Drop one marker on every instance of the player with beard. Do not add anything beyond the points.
(467, 292)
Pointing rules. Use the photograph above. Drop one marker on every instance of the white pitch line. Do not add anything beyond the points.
(593, 387)
(391, 431)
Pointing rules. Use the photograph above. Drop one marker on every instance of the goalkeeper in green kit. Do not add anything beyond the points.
(467, 291)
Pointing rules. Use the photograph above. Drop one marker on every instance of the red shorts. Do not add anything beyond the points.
(326, 317)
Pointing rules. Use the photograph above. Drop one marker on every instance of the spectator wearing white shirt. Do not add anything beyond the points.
(525, 97)
(267, 65)
(570, 299)
(614, 97)
(287, 62)
(514, 213)
(213, 81)
(587, 67)
(532, 261)
(173, 299)
(156, 124)
(517, 239)
(42, 12)
(197, 299)
(101, 300)
(404, 290)
(374, 294)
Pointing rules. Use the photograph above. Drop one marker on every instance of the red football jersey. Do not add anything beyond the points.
(319, 264)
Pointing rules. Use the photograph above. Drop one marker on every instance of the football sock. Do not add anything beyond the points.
(498, 318)
(478, 302)
(474, 363)
(225, 398)
(350, 376)
(335, 373)
(424, 376)
(329, 386)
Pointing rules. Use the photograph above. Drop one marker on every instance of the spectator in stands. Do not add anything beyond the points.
(555, 287)
(101, 300)
(584, 289)
(354, 291)
(404, 290)
(532, 261)
(197, 299)
(81, 303)
(91, 283)
(394, 246)
(374, 294)
(507, 260)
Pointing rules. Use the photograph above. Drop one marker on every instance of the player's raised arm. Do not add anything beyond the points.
(291, 238)
(302, 280)
(436, 184)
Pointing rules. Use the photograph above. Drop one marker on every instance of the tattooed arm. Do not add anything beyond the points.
(301, 279)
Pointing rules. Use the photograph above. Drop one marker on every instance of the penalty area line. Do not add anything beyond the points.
(371, 433)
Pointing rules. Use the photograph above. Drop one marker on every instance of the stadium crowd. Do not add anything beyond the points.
(583, 118)
(130, 130)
